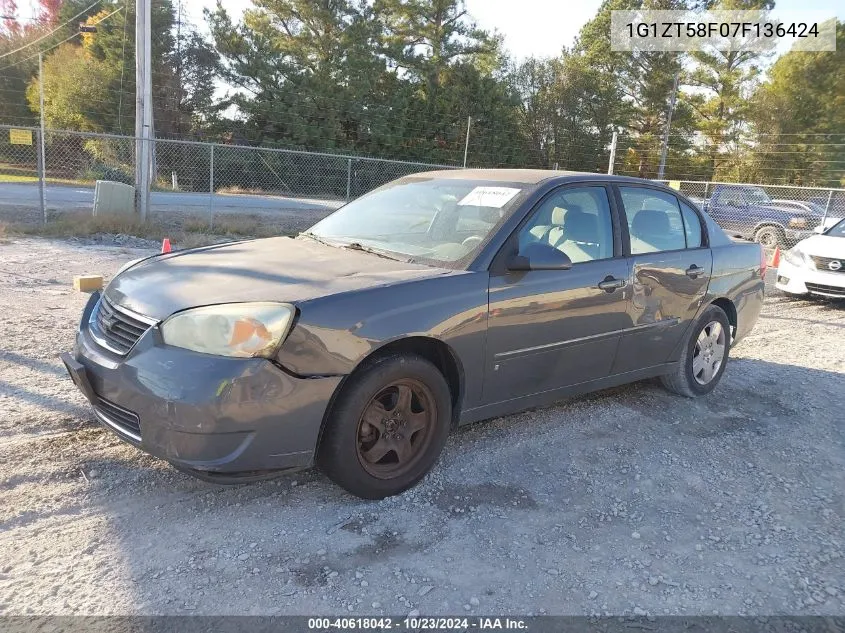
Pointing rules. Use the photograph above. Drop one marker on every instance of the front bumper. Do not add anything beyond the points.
(198, 411)
(802, 280)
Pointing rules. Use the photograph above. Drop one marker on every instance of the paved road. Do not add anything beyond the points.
(63, 198)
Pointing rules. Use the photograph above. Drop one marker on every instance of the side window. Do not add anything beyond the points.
(654, 220)
(733, 196)
(692, 226)
(575, 220)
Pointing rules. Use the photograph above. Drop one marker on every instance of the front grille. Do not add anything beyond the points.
(121, 420)
(833, 291)
(115, 328)
(823, 263)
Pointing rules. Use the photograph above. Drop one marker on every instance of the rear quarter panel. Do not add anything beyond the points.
(737, 276)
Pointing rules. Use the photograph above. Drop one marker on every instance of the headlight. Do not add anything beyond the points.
(242, 330)
(796, 257)
(798, 223)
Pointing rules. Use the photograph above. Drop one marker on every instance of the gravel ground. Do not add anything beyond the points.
(631, 501)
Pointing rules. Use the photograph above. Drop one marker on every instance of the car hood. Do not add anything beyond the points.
(786, 210)
(272, 269)
(824, 246)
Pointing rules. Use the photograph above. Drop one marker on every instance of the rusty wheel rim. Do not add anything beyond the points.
(395, 428)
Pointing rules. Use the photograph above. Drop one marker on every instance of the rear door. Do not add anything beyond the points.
(670, 264)
(553, 328)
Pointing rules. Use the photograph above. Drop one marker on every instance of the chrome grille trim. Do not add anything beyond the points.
(116, 328)
(122, 421)
(823, 263)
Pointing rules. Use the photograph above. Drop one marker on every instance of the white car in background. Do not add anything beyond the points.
(816, 265)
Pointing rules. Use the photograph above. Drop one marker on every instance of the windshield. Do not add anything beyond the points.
(422, 219)
(757, 196)
(837, 230)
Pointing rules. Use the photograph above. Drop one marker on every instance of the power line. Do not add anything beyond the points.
(67, 39)
(43, 37)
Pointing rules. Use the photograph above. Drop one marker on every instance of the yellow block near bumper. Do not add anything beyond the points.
(88, 283)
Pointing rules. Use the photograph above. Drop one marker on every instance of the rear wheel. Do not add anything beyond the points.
(705, 356)
(387, 428)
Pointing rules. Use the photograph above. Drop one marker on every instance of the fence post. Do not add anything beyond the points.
(706, 187)
(42, 185)
(348, 179)
(827, 207)
(211, 189)
(612, 153)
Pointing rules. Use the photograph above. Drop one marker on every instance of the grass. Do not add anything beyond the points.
(183, 231)
(17, 178)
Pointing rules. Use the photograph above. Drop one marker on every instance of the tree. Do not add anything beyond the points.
(73, 77)
(799, 113)
(723, 82)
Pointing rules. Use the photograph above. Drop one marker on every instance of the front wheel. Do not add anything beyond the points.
(387, 428)
(705, 356)
(770, 237)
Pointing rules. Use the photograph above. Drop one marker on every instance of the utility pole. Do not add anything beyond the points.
(143, 106)
(612, 160)
(42, 186)
(466, 145)
(672, 100)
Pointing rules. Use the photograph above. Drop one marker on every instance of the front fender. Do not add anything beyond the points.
(334, 334)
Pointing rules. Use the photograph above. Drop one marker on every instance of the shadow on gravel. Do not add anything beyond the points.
(35, 364)
(16, 392)
(246, 536)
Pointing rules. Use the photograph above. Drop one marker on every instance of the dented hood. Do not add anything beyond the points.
(272, 269)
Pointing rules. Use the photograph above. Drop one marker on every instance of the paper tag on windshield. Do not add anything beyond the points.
(495, 197)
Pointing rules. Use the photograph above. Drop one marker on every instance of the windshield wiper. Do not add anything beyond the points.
(354, 246)
(319, 239)
(357, 246)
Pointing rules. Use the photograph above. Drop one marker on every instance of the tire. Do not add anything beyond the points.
(691, 378)
(770, 237)
(407, 434)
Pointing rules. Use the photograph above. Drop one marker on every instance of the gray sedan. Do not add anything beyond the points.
(437, 300)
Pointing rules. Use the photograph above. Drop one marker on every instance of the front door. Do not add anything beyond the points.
(670, 267)
(553, 328)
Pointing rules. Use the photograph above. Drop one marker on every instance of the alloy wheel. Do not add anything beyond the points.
(395, 428)
(709, 352)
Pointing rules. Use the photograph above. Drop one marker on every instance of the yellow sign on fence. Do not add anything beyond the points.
(20, 137)
(675, 184)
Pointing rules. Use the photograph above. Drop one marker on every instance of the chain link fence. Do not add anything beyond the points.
(290, 190)
(194, 179)
(774, 215)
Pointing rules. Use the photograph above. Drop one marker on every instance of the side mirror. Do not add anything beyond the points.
(539, 256)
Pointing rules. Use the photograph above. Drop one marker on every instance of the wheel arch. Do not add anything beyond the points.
(438, 353)
(769, 224)
(730, 310)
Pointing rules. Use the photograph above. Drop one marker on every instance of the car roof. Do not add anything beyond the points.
(526, 176)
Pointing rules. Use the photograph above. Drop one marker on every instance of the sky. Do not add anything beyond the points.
(538, 28)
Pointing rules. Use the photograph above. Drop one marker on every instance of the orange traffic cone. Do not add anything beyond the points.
(776, 257)
(165, 245)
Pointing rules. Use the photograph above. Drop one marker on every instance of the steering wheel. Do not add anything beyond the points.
(472, 241)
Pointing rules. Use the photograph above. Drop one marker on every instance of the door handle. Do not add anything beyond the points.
(611, 284)
(694, 271)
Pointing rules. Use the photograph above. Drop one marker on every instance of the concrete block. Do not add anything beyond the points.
(88, 283)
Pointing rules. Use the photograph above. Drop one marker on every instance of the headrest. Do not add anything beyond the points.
(559, 214)
(650, 222)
